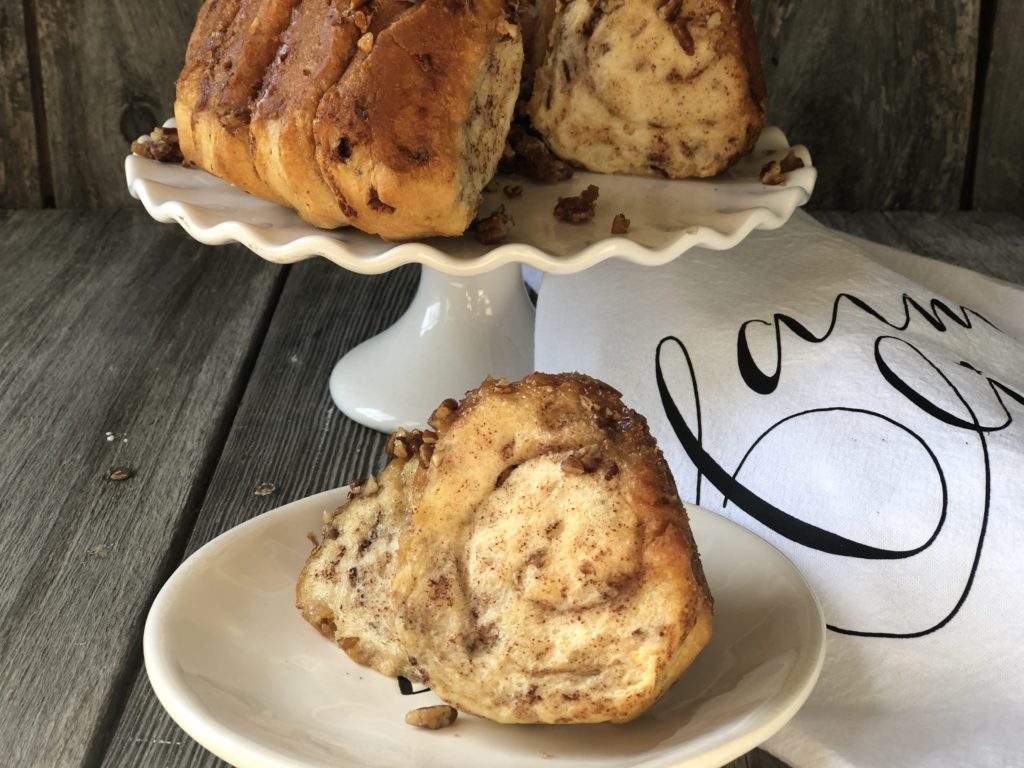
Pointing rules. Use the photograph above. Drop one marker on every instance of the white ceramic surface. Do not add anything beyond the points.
(668, 217)
(456, 331)
(477, 322)
(236, 666)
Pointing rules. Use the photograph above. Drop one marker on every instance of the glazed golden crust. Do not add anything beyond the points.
(315, 51)
(547, 573)
(391, 115)
(274, 93)
(217, 90)
(650, 87)
(412, 133)
(194, 82)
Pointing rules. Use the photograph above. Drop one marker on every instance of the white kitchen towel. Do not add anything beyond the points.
(871, 429)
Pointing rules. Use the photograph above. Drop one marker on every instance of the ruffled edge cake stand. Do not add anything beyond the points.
(471, 315)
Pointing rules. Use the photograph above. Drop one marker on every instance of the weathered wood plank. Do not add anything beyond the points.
(989, 243)
(880, 92)
(109, 68)
(287, 432)
(19, 167)
(123, 344)
(999, 177)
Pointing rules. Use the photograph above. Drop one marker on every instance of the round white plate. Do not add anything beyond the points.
(233, 662)
(667, 218)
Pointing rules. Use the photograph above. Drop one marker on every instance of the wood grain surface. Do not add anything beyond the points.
(19, 166)
(203, 372)
(109, 68)
(123, 346)
(880, 92)
(999, 178)
(989, 243)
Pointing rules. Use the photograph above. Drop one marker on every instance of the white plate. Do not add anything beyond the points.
(233, 662)
(668, 217)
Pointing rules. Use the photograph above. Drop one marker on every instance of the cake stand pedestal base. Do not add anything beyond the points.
(456, 332)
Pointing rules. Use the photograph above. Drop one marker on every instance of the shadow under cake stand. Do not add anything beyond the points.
(471, 316)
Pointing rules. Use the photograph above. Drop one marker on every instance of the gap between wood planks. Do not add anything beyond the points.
(986, 31)
(35, 78)
(106, 726)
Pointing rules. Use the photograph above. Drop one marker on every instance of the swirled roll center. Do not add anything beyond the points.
(573, 545)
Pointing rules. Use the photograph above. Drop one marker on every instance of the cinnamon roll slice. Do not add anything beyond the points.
(547, 573)
(529, 560)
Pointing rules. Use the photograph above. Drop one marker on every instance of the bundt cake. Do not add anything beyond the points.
(392, 115)
(528, 558)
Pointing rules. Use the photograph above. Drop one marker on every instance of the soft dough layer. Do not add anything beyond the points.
(229, 51)
(650, 87)
(344, 589)
(547, 573)
(414, 130)
(315, 51)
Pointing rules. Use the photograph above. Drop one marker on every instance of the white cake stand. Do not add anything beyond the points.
(471, 316)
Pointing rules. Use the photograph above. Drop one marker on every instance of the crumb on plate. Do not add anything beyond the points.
(432, 718)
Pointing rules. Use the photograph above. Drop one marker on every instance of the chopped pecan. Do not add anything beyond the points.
(578, 208)
(571, 465)
(528, 155)
(774, 172)
(790, 162)
(494, 228)
(771, 173)
(161, 144)
(443, 414)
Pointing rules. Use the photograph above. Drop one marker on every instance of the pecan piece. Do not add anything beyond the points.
(578, 208)
(161, 144)
(494, 228)
(620, 224)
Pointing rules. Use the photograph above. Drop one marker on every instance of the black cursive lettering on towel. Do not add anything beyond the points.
(937, 315)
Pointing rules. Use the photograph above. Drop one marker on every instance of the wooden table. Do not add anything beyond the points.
(128, 349)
